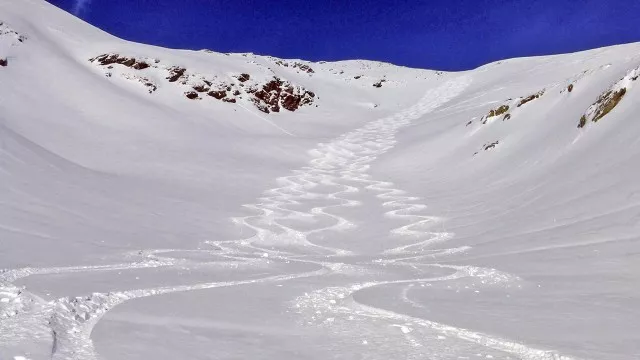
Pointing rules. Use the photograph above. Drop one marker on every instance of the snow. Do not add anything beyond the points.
(400, 221)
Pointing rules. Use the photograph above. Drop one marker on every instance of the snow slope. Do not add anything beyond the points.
(394, 213)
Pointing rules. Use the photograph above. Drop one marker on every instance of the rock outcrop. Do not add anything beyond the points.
(277, 94)
(608, 100)
(268, 96)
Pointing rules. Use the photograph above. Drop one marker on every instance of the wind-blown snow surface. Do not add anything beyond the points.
(400, 221)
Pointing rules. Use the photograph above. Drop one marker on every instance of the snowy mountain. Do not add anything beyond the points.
(163, 204)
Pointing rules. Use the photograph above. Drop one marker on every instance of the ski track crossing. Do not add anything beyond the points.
(311, 199)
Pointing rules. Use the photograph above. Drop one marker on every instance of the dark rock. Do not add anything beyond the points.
(608, 103)
(499, 111)
(128, 62)
(277, 93)
(243, 77)
(140, 65)
(217, 94)
(291, 102)
(176, 73)
(490, 146)
(304, 67)
(109, 59)
(4, 62)
(533, 97)
(200, 88)
(583, 122)
(191, 95)
(152, 87)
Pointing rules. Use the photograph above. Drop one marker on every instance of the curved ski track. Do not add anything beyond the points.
(65, 324)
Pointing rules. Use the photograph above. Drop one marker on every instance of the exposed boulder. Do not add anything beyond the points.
(533, 97)
(191, 95)
(175, 73)
(217, 94)
(499, 111)
(200, 88)
(108, 59)
(243, 77)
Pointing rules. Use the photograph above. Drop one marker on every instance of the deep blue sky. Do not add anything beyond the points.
(437, 34)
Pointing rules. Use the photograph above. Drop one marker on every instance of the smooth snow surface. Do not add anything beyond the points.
(418, 219)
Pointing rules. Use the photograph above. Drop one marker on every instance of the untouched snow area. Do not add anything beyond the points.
(161, 204)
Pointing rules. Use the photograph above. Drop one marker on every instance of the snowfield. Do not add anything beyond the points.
(171, 204)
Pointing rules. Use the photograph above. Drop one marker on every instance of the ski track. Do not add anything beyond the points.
(66, 324)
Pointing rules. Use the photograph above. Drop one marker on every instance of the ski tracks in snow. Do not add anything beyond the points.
(288, 216)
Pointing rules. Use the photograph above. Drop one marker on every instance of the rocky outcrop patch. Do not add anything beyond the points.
(218, 94)
(276, 94)
(108, 59)
(530, 98)
(499, 111)
(191, 95)
(608, 100)
(268, 96)
(13, 37)
(296, 65)
(379, 83)
(175, 73)
(243, 77)
(502, 109)
(509, 105)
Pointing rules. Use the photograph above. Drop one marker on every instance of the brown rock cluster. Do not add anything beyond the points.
(277, 93)
(108, 59)
(268, 97)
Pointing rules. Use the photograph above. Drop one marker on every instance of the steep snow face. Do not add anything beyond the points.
(159, 203)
